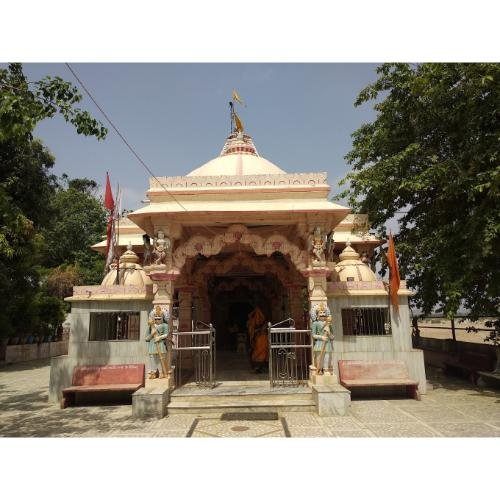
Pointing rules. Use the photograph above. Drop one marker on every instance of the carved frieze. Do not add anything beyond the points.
(238, 233)
(226, 181)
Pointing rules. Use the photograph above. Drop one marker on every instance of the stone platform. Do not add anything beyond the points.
(240, 396)
(455, 408)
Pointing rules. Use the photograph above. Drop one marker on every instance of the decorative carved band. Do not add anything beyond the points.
(244, 261)
(238, 233)
(225, 181)
(361, 285)
(111, 290)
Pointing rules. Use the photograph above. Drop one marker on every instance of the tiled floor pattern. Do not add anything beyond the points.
(454, 408)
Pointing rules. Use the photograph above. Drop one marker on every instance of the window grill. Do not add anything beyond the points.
(366, 321)
(114, 326)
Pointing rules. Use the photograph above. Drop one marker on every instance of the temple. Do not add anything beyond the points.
(234, 235)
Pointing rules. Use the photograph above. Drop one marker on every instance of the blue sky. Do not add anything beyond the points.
(300, 117)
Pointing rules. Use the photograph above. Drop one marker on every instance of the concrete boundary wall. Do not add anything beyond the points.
(30, 352)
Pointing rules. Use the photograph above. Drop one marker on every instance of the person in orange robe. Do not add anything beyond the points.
(257, 332)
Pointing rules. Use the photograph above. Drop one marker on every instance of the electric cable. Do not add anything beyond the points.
(115, 128)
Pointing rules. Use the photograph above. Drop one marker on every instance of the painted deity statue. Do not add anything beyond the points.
(321, 331)
(161, 248)
(259, 343)
(156, 333)
(317, 246)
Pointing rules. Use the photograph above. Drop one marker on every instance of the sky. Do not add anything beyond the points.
(176, 117)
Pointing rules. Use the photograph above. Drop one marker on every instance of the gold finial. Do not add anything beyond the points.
(238, 124)
(236, 97)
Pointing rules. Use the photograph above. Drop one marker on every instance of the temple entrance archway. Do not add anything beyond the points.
(224, 289)
(233, 298)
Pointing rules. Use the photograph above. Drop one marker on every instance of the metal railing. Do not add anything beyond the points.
(290, 354)
(417, 325)
(194, 356)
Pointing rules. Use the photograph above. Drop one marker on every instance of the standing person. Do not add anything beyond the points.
(259, 343)
(157, 332)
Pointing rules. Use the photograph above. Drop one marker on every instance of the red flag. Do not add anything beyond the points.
(109, 202)
(393, 272)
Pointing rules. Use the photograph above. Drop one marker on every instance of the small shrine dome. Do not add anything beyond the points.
(350, 267)
(238, 157)
(131, 272)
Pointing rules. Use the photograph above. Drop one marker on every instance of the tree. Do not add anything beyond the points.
(431, 159)
(26, 189)
(24, 104)
(79, 221)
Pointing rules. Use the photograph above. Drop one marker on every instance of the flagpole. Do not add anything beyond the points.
(231, 111)
(109, 204)
(117, 244)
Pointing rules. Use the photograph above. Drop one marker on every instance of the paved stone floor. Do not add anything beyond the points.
(455, 408)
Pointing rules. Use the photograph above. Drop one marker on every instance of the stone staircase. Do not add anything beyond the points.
(240, 396)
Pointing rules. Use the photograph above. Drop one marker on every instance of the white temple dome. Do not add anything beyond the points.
(238, 157)
(131, 272)
(350, 267)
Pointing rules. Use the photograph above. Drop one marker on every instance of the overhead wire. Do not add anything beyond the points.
(132, 150)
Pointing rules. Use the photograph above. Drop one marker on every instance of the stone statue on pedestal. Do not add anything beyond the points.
(156, 333)
(161, 248)
(321, 331)
(317, 246)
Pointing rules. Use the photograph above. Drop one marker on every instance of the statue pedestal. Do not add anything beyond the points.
(330, 397)
(327, 378)
(331, 400)
(151, 401)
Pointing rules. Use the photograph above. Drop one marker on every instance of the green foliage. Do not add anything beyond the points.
(90, 266)
(432, 155)
(29, 195)
(23, 104)
(79, 221)
(49, 313)
(60, 280)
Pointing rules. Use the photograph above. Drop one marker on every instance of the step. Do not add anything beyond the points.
(241, 391)
(246, 405)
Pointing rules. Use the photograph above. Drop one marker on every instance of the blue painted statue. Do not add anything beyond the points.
(156, 333)
(321, 331)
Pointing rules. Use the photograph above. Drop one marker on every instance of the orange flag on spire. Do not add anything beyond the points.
(394, 280)
(239, 124)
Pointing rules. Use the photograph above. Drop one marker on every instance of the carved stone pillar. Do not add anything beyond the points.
(163, 296)
(185, 308)
(316, 285)
(296, 304)
(205, 312)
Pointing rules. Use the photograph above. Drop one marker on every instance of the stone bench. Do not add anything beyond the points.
(103, 379)
(470, 363)
(358, 374)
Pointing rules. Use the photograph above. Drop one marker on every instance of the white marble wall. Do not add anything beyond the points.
(396, 346)
(81, 351)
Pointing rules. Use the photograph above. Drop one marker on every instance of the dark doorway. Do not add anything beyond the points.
(237, 324)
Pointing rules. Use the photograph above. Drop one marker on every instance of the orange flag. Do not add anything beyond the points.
(393, 272)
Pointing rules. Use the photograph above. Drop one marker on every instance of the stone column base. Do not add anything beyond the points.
(327, 378)
(331, 399)
(151, 401)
